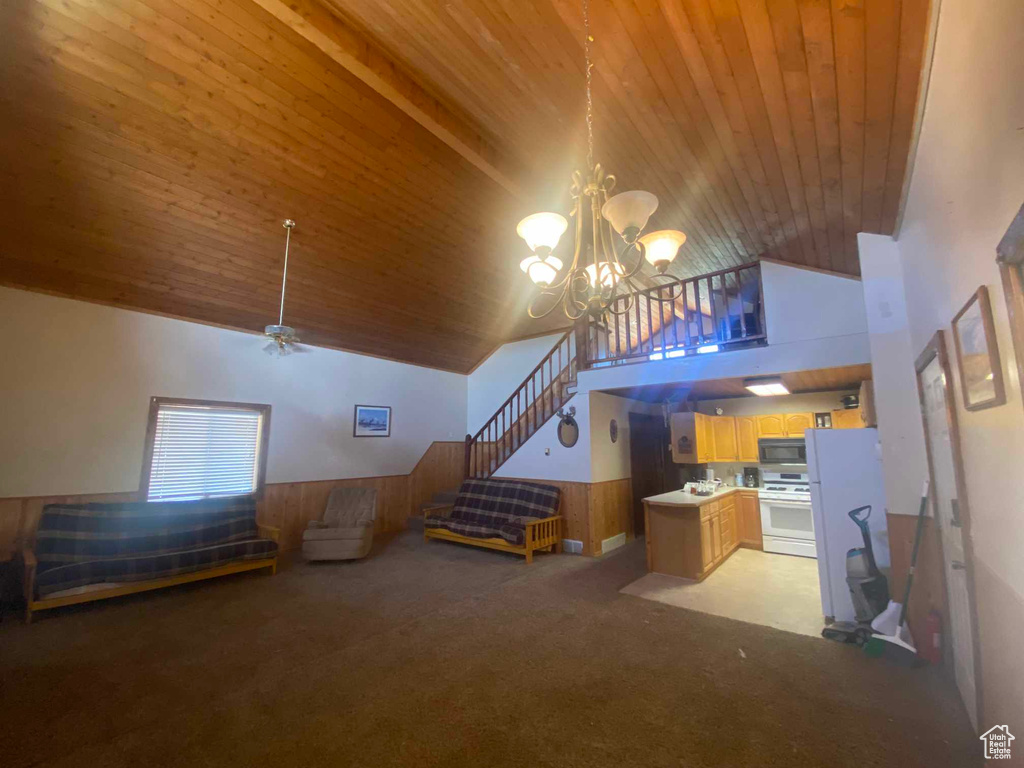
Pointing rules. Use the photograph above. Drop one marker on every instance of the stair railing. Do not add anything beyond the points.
(526, 410)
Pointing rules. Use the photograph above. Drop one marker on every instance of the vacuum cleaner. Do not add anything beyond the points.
(869, 589)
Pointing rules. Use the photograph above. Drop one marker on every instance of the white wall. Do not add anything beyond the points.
(802, 304)
(495, 379)
(542, 457)
(967, 185)
(814, 320)
(897, 406)
(608, 460)
(76, 397)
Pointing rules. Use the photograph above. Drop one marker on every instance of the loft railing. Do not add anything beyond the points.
(717, 311)
(525, 411)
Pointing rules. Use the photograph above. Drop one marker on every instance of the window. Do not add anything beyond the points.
(198, 449)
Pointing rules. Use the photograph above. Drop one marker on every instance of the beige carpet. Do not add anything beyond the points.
(779, 591)
(439, 655)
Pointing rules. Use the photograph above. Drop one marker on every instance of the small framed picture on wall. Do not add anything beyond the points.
(372, 421)
(977, 356)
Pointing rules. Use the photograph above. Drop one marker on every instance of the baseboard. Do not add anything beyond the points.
(614, 542)
(572, 546)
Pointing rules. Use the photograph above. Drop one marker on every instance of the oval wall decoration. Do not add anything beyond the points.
(613, 430)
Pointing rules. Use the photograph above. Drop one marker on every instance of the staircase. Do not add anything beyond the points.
(548, 388)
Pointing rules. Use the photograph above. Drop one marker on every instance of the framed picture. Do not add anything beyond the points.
(977, 356)
(372, 421)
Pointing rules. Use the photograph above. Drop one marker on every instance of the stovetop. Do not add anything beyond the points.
(785, 486)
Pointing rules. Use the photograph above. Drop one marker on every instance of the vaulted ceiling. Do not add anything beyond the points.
(151, 148)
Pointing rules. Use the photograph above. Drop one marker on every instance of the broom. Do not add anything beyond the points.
(894, 647)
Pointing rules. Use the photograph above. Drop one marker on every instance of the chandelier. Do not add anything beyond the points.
(282, 337)
(598, 277)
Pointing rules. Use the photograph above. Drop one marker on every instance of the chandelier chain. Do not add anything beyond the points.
(587, 39)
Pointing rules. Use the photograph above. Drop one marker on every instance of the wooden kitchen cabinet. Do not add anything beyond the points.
(692, 538)
(746, 438)
(748, 520)
(693, 438)
(772, 425)
(723, 429)
(796, 423)
(847, 418)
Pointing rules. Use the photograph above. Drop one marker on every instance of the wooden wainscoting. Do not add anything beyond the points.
(611, 511)
(593, 512)
(441, 468)
(288, 506)
(929, 590)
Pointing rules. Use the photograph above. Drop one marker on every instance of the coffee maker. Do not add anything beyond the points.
(751, 477)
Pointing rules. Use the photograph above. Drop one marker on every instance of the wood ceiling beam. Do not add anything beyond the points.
(355, 53)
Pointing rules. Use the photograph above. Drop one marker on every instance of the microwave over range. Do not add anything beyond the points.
(782, 450)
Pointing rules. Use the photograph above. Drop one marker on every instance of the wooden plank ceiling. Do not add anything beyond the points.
(152, 147)
(840, 379)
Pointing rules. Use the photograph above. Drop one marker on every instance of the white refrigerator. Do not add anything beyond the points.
(845, 469)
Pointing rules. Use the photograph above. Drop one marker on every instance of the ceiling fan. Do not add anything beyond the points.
(283, 340)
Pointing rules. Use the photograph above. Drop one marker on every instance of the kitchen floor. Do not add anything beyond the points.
(779, 591)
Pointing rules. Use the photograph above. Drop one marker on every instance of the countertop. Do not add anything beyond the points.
(683, 499)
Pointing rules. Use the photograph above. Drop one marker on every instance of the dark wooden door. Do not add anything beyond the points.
(649, 461)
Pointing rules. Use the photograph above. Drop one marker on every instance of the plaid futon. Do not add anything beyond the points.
(80, 544)
(487, 509)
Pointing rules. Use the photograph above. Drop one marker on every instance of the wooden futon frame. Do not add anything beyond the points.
(544, 534)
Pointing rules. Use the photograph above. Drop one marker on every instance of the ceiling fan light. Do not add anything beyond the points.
(766, 387)
(609, 273)
(542, 230)
(629, 211)
(662, 246)
(542, 271)
(279, 330)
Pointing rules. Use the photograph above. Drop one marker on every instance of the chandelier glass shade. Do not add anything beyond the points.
(601, 273)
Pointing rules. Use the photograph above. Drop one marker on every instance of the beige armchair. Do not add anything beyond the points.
(346, 530)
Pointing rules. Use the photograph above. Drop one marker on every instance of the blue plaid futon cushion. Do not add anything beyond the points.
(487, 509)
(80, 544)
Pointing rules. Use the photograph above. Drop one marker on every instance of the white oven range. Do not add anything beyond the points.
(787, 522)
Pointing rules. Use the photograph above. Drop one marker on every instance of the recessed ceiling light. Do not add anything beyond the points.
(766, 387)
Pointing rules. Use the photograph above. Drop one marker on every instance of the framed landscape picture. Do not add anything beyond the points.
(372, 421)
(977, 356)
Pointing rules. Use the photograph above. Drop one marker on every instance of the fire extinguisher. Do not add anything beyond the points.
(931, 649)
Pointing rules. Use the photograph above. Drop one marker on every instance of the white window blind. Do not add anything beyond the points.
(204, 451)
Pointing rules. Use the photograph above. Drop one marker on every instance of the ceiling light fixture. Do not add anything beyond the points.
(596, 286)
(766, 387)
(282, 337)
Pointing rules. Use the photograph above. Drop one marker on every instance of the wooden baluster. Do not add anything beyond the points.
(613, 318)
(728, 304)
(711, 309)
(636, 311)
(650, 328)
(661, 317)
(739, 295)
(699, 320)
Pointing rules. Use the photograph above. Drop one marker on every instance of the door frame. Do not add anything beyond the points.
(936, 349)
(635, 417)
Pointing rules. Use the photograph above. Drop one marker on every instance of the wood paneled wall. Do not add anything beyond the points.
(594, 512)
(441, 468)
(929, 590)
(289, 506)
